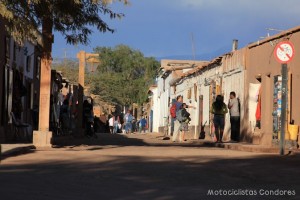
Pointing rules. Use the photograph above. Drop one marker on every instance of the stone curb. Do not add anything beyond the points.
(251, 148)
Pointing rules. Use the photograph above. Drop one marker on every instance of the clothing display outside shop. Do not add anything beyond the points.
(277, 96)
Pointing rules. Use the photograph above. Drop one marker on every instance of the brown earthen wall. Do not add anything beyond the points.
(262, 62)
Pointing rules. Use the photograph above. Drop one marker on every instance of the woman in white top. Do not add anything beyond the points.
(111, 124)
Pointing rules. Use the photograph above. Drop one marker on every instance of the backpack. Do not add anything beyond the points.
(128, 118)
(173, 110)
(179, 116)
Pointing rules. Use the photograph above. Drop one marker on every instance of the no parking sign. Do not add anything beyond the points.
(284, 52)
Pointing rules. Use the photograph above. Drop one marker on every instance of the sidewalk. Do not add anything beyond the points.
(242, 146)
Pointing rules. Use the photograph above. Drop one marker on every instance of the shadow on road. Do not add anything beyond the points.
(153, 177)
(106, 139)
(102, 140)
(17, 151)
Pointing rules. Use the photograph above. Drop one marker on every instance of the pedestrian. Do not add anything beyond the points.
(128, 121)
(178, 104)
(64, 116)
(219, 109)
(111, 124)
(142, 125)
(234, 110)
(184, 121)
(88, 117)
(101, 123)
(116, 124)
(133, 124)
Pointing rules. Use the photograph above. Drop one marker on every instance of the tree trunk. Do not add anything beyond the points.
(45, 76)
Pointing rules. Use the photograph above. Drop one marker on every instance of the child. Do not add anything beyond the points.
(185, 121)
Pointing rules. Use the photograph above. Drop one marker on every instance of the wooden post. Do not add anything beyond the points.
(81, 57)
(43, 136)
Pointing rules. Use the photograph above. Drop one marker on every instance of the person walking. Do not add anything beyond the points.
(88, 118)
(234, 110)
(116, 122)
(219, 109)
(142, 125)
(128, 121)
(178, 104)
(64, 116)
(111, 124)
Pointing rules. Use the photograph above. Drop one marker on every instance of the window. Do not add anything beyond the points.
(14, 52)
(38, 67)
(28, 63)
(7, 47)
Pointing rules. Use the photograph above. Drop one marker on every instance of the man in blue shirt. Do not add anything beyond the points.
(142, 125)
(128, 121)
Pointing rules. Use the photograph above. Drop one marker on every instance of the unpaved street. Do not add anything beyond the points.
(146, 167)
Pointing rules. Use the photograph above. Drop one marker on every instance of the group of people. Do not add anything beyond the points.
(127, 124)
(60, 113)
(218, 109)
(182, 118)
(63, 115)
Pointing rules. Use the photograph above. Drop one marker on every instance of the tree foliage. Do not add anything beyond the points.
(72, 18)
(123, 76)
(69, 69)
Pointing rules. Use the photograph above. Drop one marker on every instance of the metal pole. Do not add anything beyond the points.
(284, 73)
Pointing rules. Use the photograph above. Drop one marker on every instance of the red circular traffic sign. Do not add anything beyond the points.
(284, 52)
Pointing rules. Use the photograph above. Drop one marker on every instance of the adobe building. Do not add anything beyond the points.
(264, 70)
(254, 74)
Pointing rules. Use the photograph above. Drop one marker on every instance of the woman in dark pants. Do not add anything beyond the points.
(219, 109)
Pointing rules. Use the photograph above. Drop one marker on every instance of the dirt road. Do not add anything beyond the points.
(146, 167)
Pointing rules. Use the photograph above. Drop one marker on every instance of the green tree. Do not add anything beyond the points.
(124, 75)
(72, 18)
(69, 69)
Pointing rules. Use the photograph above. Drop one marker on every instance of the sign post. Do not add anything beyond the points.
(284, 52)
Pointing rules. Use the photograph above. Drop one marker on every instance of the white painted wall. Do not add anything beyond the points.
(252, 104)
(233, 82)
(156, 110)
(206, 103)
(164, 108)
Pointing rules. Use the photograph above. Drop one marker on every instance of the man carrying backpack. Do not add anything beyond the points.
(178, 104)
(128, 122)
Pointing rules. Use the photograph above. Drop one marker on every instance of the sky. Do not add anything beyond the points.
(191, 29)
